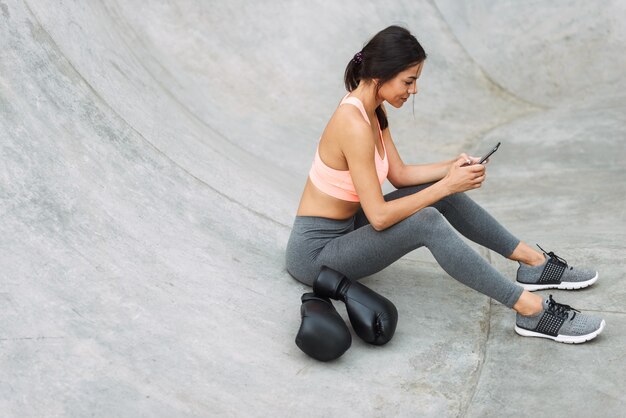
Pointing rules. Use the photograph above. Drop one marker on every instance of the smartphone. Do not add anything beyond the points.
(484, 158)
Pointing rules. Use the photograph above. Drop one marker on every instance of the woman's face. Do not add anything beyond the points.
(398, 90)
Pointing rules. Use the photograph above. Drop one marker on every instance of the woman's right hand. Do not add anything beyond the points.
(461, 177)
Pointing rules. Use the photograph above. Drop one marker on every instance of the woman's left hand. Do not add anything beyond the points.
(469, 159)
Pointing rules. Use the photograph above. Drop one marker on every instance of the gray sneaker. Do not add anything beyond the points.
(560, 323)
(554, 273)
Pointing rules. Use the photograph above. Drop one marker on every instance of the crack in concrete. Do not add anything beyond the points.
(479, 369)
(32, 338)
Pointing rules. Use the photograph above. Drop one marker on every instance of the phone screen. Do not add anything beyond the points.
(484, 158)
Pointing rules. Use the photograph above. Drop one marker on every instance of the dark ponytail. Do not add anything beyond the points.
(389, 52)
(352, 75)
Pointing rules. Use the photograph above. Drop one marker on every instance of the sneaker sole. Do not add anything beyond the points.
(567, 339)
(562, 285)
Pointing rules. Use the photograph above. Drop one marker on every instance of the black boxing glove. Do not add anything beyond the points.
(373, 317)
(323, 334)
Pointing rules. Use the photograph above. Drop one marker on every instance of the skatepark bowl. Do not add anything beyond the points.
(152, 159)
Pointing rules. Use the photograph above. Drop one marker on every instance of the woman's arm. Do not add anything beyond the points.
(404, 175)
(359, 151)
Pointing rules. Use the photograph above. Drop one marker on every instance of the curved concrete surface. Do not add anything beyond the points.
(153, 156)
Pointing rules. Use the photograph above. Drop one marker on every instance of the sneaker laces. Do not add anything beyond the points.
(553, 256)
(560, 309)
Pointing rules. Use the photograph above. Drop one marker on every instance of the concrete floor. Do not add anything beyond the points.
(152, 159)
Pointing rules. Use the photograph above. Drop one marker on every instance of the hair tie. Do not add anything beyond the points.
(358, 57)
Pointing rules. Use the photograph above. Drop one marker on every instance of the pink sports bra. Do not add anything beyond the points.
(338, 183)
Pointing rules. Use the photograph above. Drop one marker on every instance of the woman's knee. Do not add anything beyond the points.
(427, 217)
(406, 191)
(458, 199)
(426, 226)
(454, 202)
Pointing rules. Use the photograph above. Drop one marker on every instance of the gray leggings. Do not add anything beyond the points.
(354, 248)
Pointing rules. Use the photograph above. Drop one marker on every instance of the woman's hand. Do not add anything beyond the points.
(462, 177)
(469, 160)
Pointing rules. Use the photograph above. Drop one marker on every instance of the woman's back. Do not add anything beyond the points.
(329, 191)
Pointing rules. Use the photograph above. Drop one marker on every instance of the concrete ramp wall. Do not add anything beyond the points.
(152, 156)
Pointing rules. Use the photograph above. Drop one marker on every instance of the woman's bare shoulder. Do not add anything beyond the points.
(352, 133)
(345, 130)
(348, 119)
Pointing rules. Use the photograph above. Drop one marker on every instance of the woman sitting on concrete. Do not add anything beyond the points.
(346, 229)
